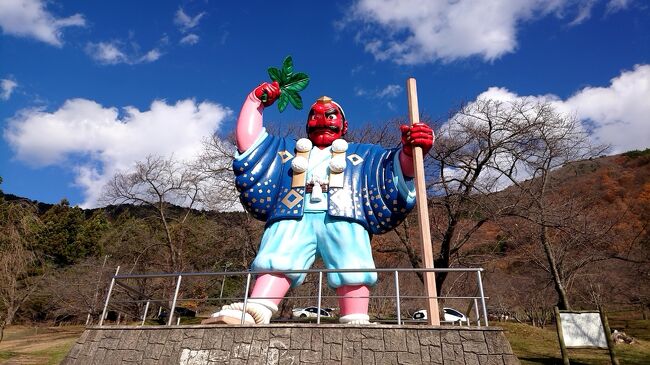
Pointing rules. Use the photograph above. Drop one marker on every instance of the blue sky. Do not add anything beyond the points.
(89, 87)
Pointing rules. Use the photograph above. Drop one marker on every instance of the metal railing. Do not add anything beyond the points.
(118, 279)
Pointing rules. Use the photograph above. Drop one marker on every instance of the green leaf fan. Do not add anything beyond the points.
(290, 84)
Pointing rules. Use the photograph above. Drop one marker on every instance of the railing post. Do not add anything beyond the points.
(144, 316)
(480, 288)
(248, 285)
(173, 308)
(320, 294)
(108, 297)
(399, 310)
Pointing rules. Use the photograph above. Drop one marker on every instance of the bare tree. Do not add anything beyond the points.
(20, 269)
(158, 183)
(553, 140)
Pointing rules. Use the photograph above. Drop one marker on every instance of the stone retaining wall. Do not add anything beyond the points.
(292, 344)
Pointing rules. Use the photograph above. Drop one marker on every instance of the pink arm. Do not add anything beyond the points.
(406, 163)
(249, 124)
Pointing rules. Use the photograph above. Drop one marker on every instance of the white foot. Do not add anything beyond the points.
(258, 311)
(356, 318)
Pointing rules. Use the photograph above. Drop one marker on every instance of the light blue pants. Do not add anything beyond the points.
(293, 245)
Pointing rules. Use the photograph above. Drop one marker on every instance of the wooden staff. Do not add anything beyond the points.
(423, 211)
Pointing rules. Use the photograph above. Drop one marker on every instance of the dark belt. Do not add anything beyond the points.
(310, 187)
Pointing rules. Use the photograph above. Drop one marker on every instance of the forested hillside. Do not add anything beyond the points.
(56, 259)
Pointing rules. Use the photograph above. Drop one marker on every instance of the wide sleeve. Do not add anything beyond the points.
(388, 195)
(258, 172)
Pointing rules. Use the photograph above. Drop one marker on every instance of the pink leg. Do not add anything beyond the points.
(272, 286)
(354, 299)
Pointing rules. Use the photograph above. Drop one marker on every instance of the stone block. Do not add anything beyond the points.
(261, 334)
(336, 352)
(429, 337)
(283, 332)
(372, 344)
(494, 360)
(450, 337)
(158, 336)
(154, 351)
(408, 358)
(227, 340)
(175, 335)
(256, 360)
(280, 343)
(194, 357)
(434, 354)
(212, 340)
(475, 336)
(372, 333)
(475, 347)
(235, 362)
(218, 355)
(129, 340)
(412, 341)
(471, 359)
(331, 335)
(386, 358)
(497, 343)
(300, 339)
(243, 335)
(452, 354)
(311, 357)
(367, 357)
(352, 334)
(317, 340)
(191, 343)
(132, 356)
(289, 357)
(240, 350)
(273, 356)
(394, 340)
(259, 348)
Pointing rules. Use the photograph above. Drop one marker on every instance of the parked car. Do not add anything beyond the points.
(450, 315)
(311, 312)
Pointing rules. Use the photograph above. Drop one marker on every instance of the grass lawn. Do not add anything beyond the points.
(534, 345)
(37, 345)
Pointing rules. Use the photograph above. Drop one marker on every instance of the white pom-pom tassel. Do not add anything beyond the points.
(337, 164)
(299, 164)
(339, 145)
(304, 145)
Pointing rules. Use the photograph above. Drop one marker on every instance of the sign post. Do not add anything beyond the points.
(423, 211)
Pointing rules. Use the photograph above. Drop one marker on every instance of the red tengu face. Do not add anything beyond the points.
(326, 122)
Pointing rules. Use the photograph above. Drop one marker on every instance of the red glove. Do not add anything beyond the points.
(416, 135)
(268, 93)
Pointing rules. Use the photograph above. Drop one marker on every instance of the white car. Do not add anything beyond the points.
(450, 315)
(311, 312)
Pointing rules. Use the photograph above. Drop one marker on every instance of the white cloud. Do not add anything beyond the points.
(111, 53)
(107, 142)
(106, 53)
(150, 56)
(616, 115)
(186, 22)
(7, 86)
(389, 91)
(620, 112)
(190, 39)
(421, 31)
(30, 18)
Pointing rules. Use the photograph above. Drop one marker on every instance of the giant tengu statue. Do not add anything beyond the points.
(318, 196)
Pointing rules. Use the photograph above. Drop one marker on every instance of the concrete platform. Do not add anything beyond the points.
(292, 344)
